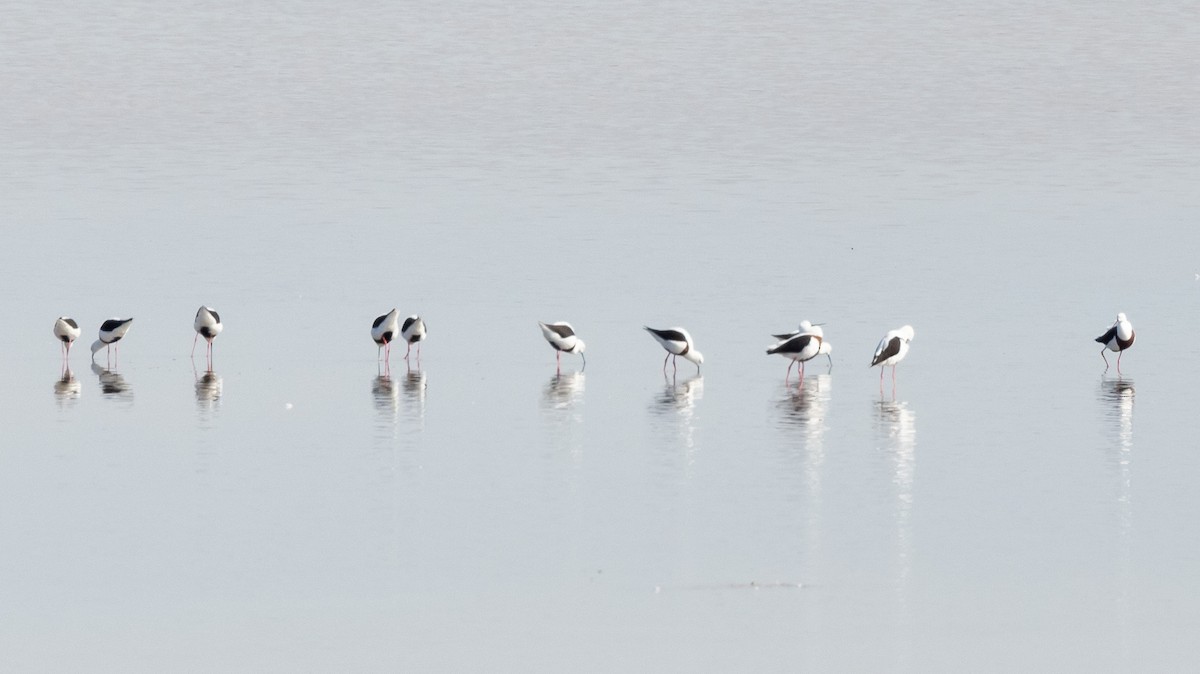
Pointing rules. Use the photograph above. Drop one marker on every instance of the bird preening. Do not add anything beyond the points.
(1118, 337)
(891, 350)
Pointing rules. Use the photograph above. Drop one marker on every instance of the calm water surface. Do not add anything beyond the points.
(1005, 177)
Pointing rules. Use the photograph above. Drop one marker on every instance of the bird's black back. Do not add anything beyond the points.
(672, 335)
(892, 348)
(794, 345)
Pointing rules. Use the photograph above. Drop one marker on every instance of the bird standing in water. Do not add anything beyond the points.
(1117, 338)
(111, 332)
(677, 342)
(67, 331)
(563, 338)
(413, 332)
(891, 350)
(207, 325)
(384, 331)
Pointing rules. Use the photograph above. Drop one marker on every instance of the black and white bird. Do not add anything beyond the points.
(111, 332)
(677, 342)
(67, 331)
(891, 350)
(563, 338)
(802, 347)
(384, 330)
(207, 325)
(805, 328)
(1117, 338)
(413, 332)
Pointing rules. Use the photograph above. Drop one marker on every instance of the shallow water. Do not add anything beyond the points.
(1005, 178)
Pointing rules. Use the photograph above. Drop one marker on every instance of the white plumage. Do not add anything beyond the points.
(384, 331)
(801, 346)
(677, 342)
(892, 349)
(413, 332)
(67, 331)
(111, 332)
(562, 337)
(207, 325)
(1118, 337)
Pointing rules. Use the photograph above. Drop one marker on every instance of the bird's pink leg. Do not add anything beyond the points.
(665, 361)
(194, 344)
(1119, 362)
(1105, 359)
(789, 372)
(408, 350)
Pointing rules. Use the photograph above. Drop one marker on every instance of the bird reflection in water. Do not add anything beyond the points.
(208, 390)
(677, 403)
(804, 409)
(562, 414)
(897, 434)
(67, 388)
(415, 384)
(386, 393)
(805, 406)
(1116, 398)
(563, 391)
(112, 383)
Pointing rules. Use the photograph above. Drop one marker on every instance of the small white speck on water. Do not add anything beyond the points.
(287, 406)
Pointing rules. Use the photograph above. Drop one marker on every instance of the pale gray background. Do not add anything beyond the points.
(1005, 177)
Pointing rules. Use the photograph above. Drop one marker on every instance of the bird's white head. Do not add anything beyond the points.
(826, 348)
(694, 356)
(906, 333)
(805, 326)
(580, 347)
(97, 345)
(1121, 318)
